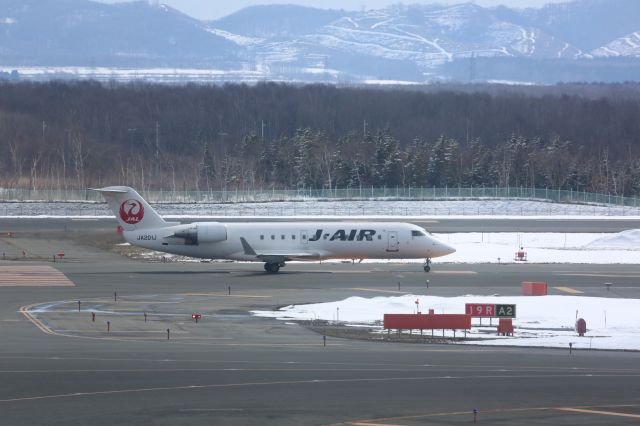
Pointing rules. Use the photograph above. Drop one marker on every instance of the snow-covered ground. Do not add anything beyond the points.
(545, 321)
(543, 247)
(352, 208)
(145, 74)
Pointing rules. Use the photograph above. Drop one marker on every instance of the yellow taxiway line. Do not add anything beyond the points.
(601, 275)
(24, 310)
(569, 290)
(580, 410)
(371, 424)
(242, 296)
(599, 412)
(375, 290)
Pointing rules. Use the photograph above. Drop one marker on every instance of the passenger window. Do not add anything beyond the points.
(304, 237)
(282, 237)
(293, 237)
(273, 237)
(379, 237)
(262, 237)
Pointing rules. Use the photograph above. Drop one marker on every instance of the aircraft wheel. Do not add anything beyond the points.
(427, 265)
(272, 267)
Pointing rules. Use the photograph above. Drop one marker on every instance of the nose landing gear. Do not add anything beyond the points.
(427, 265)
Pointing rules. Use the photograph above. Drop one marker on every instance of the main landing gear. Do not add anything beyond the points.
(273, 268)
(427, 265)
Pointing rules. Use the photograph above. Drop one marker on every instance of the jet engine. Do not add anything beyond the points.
(202, 232)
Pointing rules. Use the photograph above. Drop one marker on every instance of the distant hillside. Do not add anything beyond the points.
(589, 24)
(277, 21)
(80, 32)
(586, 40)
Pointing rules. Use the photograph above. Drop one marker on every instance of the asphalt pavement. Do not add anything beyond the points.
(58, 366)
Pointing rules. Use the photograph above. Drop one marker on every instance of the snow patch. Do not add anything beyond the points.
(546, 247)
(129, 74)
(545, 321)
(390, 82)
(321, 71)
(626, 240)
(381, 24)
(564, 48)
(352, 22)
(628, 45)
(512, 82)
(235, 38)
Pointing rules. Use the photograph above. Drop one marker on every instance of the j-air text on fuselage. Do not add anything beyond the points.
(273, 243)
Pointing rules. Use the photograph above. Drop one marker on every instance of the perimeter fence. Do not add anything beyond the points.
(376, 202)
(271, 195)
(274, 195)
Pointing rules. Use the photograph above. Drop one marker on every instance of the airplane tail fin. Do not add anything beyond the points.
(131, 210)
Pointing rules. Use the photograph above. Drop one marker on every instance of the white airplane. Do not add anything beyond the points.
(273, 243)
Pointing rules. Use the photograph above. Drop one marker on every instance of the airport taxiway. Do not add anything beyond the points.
(233, 368)
(57, 366)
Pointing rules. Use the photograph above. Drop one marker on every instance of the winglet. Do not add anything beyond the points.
(248, 250)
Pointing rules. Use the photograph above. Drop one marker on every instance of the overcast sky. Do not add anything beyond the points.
(213, 9)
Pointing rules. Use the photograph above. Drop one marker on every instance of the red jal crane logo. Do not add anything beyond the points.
(131, 212)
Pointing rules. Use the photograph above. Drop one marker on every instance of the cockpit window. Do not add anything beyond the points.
(418, 234)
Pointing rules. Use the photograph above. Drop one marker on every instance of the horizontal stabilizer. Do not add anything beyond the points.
(109, 190)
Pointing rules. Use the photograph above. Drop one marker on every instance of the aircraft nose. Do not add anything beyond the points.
(442, 249)
(447, 249)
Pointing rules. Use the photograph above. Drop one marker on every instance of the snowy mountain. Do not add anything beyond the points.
(587, 24)
(582, 40)
(628, 46)
(81, 32)
(423, 43)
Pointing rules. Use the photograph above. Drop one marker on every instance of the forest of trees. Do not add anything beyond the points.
(82, 134)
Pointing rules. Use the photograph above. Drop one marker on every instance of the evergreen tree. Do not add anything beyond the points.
(302, 162)
(558, 162)
(417, 156)
(437, 163)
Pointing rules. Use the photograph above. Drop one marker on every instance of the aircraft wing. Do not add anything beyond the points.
(277, 256)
